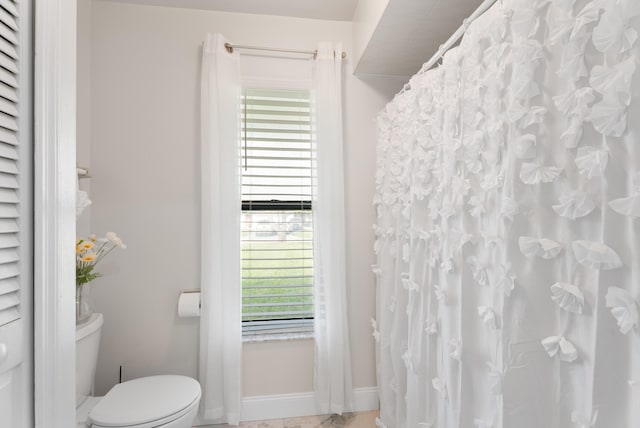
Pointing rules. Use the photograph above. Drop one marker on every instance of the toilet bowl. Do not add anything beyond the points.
(165, 401)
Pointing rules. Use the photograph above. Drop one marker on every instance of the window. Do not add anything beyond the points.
(278, 161)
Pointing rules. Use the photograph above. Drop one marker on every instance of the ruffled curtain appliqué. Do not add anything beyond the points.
(507, 241)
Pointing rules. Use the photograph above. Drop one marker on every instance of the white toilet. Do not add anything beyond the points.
(149, 402)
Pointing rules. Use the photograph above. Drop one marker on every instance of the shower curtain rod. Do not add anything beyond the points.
(229, 47)
(486, 4)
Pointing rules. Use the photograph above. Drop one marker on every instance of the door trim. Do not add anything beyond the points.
(54, 212)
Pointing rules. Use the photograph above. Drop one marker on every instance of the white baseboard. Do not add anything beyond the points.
(266, 407)
(302, 404)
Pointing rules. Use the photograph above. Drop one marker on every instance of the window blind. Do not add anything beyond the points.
(278, 161)
(9, 164)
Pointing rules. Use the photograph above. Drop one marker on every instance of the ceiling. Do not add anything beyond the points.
(335, 10)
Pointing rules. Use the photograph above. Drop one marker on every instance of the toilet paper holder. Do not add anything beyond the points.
(193, 290)
(189, 303)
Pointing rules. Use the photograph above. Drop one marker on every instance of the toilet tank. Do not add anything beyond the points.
(87, 346)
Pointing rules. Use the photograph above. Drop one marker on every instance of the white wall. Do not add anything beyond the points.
(144, 139)
(83, 99)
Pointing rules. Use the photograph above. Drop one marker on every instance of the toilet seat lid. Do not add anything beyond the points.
(144, 400)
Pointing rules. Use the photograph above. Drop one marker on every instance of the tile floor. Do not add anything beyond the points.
(347, 420)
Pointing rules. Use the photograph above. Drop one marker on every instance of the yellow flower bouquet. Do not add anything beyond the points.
(89, 252)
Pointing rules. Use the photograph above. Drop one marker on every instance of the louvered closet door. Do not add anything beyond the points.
(15, 215)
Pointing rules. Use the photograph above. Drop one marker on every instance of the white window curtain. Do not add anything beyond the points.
(333, 388)
(220, 322)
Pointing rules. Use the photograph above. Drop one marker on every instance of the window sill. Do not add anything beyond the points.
(258, 338)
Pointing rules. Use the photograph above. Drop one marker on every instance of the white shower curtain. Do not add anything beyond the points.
(220, 321)
(333, 390)
(508, 241)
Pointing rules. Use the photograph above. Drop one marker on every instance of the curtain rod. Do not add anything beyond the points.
(229, 47)
(486, 4)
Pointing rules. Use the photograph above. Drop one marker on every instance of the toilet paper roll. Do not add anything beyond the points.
(189, 304)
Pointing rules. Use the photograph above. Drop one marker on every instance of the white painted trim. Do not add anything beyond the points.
(267, 407)
(272, 83)
(23, 405)
(54, 212)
